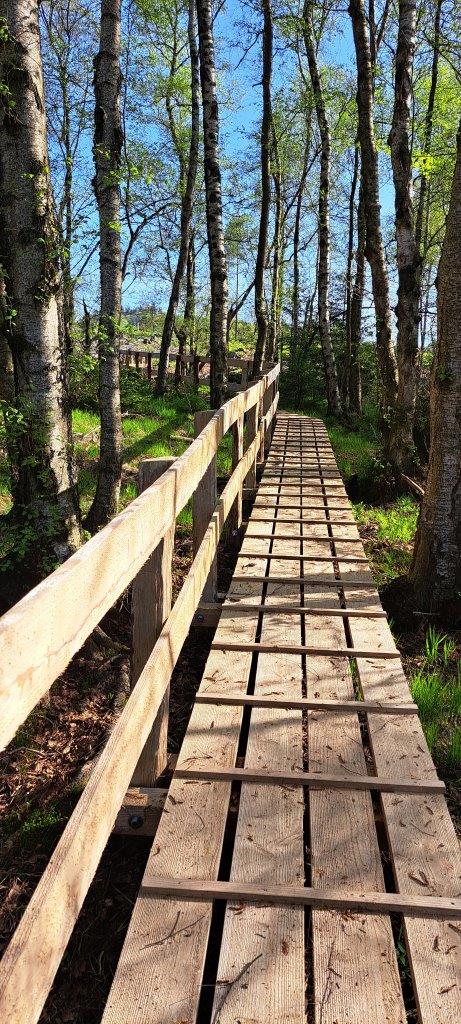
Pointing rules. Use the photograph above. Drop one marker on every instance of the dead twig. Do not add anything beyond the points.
(229, 985)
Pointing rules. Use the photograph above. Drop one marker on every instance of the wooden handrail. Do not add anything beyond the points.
(36, 948)
(234, 362)
(40, 634)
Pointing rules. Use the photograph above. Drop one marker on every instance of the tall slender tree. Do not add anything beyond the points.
(32, 292)
(214, 215)
(277, 258)
(358, 288)
(107, 149)
(331, 376)
(69, 30)
(348, 398)
(374, 241)
(187, 185)
(297, 232)
(436, 567)
(400, 445)
(265, 141)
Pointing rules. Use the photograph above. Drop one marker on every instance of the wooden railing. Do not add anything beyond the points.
(40, 635)
(190, 366)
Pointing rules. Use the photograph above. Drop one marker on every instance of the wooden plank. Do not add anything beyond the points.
(335, 706)
(304, 507)
(325, 540)
(314, 780)
(420, 851)
(150, 608)
(339, 583)
(158, 979)
(268, 848)
(357, 559)
(306, 522)
(42, 934)
(333, 899)
(296, 609)
(423, 848)
(306, 649)
(355, 968)
(40, 635)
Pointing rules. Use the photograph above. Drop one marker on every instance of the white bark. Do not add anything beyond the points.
(29, 254)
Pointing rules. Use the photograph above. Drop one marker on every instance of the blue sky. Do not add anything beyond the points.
(239, 81)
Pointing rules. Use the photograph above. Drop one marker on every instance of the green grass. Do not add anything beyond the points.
(438, 696)
(396, 523)
(389, 536)
(166, 431)
(438, 648)
(355, 451)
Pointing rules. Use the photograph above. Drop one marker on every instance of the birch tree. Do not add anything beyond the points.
(436, 568)
(214, 216)
(187, 185)
(107, 150)
(400, 445)
(32, 292)
(374, 241)
(331, 376)
(265, 142)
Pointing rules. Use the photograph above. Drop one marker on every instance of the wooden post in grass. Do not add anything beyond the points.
(204, 502)
(235, 515)
(151, 606)
(149, 365)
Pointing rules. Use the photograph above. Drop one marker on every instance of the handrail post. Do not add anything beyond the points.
(204, 502)
(261, 409)
(151, 606)
(235, 515)
(252, 430)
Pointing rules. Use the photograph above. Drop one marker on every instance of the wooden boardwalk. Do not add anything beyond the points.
(268, 703)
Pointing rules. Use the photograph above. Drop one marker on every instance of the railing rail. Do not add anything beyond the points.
(145, 359)
(39, 636)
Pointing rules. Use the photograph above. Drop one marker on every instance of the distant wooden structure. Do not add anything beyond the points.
(304, 798)
(194, 369)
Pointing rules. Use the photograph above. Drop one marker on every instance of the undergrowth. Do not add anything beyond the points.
(436, 688)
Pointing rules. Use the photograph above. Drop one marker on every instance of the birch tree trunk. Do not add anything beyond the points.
(32, 299)
(296, 235)
(331, 376)
(355, 378)
(374, 243)
(185, 332)
(107, 148)
(428, 124)
(266, 127)
(187, 202)
(214, 217)
(349, 277)
(277, 264)
(400, 444)
(436, 568)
